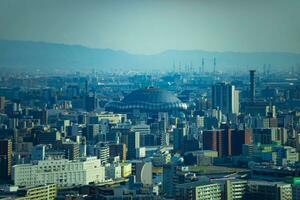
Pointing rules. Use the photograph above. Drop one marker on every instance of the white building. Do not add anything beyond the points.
(62, 172)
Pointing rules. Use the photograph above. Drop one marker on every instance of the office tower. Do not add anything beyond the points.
(238, 139)
(101, 150)
(5, 159)
(198, 190)
(90, 102)
(72, 130)
(62, 172)
(225, 97)
(264, 136)
(252, 85)
(179, 135)
(71, 149)
(218, 140)
(38, 152)
(235, 189)
(163, 121)
(117, 150)
(168, 183)
(133, 144)
(92, 130)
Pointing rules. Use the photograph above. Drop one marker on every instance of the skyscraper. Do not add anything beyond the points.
(5, 159)
(218, 140)
(225, 97)
(133, 144)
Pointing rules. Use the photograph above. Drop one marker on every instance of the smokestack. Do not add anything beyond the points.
(252, 85)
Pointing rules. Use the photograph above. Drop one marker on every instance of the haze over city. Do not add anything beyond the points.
(148, 27)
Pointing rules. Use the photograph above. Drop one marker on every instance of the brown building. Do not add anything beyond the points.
(218, 140)
(227, 142)
(5, 159)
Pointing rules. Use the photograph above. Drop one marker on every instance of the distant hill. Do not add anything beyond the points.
(27, 55)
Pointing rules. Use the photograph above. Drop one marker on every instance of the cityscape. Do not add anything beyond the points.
(146, 120)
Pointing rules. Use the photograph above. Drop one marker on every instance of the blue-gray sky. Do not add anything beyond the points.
(153, 26)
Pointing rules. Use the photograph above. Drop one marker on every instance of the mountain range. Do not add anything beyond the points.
(29, 55)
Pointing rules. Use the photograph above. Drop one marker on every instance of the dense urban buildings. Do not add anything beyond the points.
(219, 140)
(138, 121)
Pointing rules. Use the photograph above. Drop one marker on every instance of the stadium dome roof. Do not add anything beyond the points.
(152, 99)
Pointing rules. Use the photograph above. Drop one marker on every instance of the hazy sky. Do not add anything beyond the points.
(154, 26)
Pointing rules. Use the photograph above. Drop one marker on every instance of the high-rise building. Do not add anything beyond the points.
(117, 150)
(264, 136)
(238, 139)
(218, 140)
(5, 159)
(179, 135)
(133, 144)
(71, 149)
(101, 150)
(225, 97)
(168, 184)
(92, 130)
(90, 102)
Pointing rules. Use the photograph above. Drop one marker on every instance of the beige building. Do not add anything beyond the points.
(45, 192)
(198, 191)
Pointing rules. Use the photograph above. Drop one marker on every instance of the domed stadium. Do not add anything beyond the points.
(148, 99)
